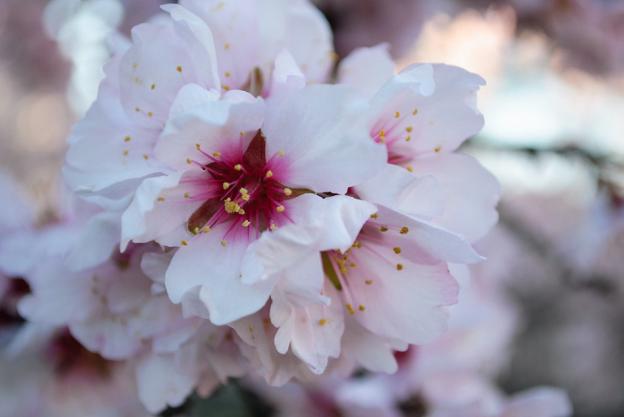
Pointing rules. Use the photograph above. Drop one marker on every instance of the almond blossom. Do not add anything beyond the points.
(283, 221)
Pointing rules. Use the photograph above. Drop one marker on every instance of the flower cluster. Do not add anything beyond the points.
(242, 206)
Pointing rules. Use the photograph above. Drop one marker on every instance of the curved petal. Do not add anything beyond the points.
(200, 117)
(427, 108)
(469, 192)
(367, 69)
(214, 266)
(321, 135)
(150, 77)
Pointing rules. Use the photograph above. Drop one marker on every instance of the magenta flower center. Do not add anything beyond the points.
(243, 190)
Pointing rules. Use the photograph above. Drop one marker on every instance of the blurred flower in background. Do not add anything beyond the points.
(543, 311)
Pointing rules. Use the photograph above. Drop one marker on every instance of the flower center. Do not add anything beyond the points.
(245, 191)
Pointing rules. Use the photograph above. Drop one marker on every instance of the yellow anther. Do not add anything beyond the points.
(268, 174)
(273, 227)
(407, 139)
(160, 199)
(399, 267)
(368, 282)
(404, 230)
(357, 244)
(224, 243)
(179, 68)
(150, 114)
(243, 191)
(374, 216)
(246, 223)
(231, 207)
(198, 146)
(361, 307)
(187, 195)
(227, 74)
(226, 185)
(216, 154)
(287, 191)
(241, 212)
(382, 133)
(322, 322)
(153, 86)
(246, 197)
(205, 229)
(238, 167)
(145, 156)
(397, 250)
(409, 129)
(410, 168)
(183, 243)
(383, 228)
(226, 46)
(280, 209)
(127, 138)
(437, 149)
(226, 87)
(189, 161)
(397, 114)
(415, 112)
(350, 309)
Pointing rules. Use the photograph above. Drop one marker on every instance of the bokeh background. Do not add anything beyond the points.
(554, 108)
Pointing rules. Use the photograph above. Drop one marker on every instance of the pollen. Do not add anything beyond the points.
(322, 322)
(205, 229)
(404, 230)
(184, 243)
(397, 115)
(127, 139)
(397, 250)
(350, 309)
(407, 139)
(357, 244)
(226, 87)
(383, 228)
(437, 149)
(198, 146)
(187, 195)
(280, 209)
(238, 167)
(189, 161)
(409, 129)
(399, 267)
(216, 154)
(246, 223)
(268, 174)
(150, 114)
(231, 207)
(410, 168)
(287, 191)
(361, 307)
(195, 231)
(226, 185)
(179, 68)
(374, 216)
